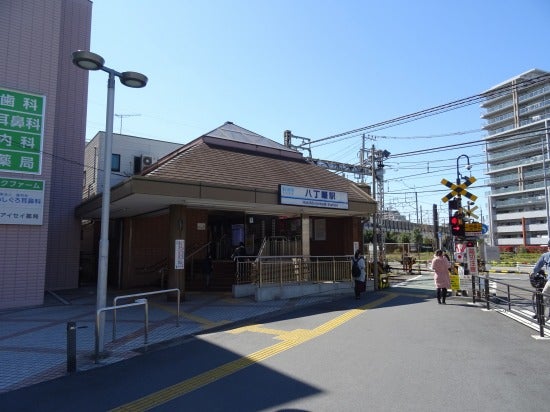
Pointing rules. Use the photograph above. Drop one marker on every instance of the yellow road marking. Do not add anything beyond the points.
(205, 323)
(291, 339)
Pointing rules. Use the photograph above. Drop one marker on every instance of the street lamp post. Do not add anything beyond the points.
(90, 61)
(468, 166)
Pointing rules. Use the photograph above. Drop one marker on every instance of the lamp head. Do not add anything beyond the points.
(87, 60)
(133, 79)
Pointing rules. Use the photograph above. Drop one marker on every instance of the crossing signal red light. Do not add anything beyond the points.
(457, 225)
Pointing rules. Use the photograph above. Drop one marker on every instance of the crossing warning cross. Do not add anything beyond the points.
(470, 212)
(460, 189)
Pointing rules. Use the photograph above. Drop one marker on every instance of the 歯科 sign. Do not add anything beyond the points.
(21, 131)
(21, 202)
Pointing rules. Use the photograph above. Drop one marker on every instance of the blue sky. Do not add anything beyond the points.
(321, 68)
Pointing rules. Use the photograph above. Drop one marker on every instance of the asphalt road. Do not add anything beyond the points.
(395, 350)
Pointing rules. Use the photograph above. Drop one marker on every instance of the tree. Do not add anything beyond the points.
(417, 237)
(405, 237)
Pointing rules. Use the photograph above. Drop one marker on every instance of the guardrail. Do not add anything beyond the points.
(138, 302)
(137, 295)
(524, 303)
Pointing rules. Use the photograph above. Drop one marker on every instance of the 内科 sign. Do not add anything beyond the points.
(21, 131)
(21, 202)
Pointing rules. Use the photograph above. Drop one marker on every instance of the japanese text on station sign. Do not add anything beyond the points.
(21, 131)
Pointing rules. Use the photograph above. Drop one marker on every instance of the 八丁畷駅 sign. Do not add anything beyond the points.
(21, 131)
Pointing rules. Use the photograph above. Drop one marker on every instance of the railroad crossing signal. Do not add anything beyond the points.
(459, 190)
(470, 212)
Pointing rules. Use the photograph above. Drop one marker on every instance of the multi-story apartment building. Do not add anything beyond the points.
(517, 115)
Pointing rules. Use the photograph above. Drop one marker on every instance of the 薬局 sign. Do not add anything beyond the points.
(21, 202)
(312, 197)
(21, 131)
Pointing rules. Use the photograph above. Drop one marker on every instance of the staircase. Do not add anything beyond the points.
(221, 280)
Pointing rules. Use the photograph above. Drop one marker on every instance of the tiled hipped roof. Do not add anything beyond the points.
(213, 164)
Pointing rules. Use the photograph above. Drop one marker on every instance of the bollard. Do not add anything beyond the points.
(71, 347)
(487, 292)
(540, 312)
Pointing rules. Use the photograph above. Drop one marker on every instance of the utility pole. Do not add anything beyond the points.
(363, 157)
(374, 225)
(416, 201)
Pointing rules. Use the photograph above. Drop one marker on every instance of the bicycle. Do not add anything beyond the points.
(538, 280)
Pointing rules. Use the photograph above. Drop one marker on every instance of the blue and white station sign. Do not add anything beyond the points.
(312, 197)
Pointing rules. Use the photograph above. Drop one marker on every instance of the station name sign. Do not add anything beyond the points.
(312, 197)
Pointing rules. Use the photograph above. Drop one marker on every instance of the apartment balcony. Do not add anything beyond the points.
(531, 150)
(538, 227)
(518, 241)
(533, 94)
(518, 216)
(495, 109)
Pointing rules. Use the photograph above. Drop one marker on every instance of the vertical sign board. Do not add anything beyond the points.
(472, 260)
(179, 256)
(21, 131)
(21, 201)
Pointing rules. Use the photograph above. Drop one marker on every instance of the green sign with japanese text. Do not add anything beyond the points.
(21, 131)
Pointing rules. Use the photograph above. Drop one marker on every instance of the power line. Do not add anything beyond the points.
(493, 93)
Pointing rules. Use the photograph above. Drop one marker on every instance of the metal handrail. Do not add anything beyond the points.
(136, 295)
(292, 269)
(511, 294)
(190, 255)
(138, 302)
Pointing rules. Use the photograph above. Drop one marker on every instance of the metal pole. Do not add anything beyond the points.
(374, 225)
(487, 291)
(545, 184)
(105, 205)
(71, 347)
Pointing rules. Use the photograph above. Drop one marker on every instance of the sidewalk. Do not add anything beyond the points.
(33, 341)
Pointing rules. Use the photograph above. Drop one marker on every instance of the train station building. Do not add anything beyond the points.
(226, 187)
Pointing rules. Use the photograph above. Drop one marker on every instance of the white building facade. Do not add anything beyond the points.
(130, 156)
(517, 115)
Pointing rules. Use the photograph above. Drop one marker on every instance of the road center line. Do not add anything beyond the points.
(290, 340)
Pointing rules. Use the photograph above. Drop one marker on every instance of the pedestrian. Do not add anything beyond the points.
(360, 284)
(440, 266)
(238, 258)
(544, 263)
(208, 269)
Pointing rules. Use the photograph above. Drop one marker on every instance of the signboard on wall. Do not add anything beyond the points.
(312, 197)
(179, 255)
(21, 131)
(21, 201)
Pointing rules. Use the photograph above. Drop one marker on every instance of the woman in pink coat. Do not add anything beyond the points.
(440, 266)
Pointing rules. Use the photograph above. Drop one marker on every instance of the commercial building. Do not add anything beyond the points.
(517, 114)
(42, 127)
